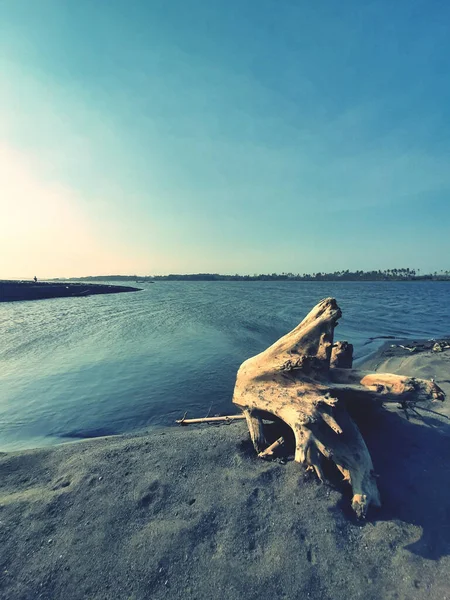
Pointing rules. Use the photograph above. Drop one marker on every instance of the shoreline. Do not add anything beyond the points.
(243, 279)
(191, 512)
(15, 291)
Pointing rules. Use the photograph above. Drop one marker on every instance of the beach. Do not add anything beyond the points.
(191, 512)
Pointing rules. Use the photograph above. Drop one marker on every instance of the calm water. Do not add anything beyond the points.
(79, 367)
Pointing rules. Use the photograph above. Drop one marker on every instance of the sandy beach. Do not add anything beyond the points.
(192, 513)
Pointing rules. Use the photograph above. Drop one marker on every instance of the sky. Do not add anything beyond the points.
(185, 136)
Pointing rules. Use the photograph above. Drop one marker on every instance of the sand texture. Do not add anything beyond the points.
(192, 513)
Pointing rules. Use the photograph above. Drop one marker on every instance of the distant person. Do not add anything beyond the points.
(35, 279)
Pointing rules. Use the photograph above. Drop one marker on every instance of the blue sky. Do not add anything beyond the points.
(258, 136)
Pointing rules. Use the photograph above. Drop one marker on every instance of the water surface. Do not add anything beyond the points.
(80, 367)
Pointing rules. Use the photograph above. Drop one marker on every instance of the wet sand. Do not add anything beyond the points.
(191, 513)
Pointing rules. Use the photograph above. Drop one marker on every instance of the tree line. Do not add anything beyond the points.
(403, 274)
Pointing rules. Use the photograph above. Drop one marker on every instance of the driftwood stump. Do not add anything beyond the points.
(307, 382)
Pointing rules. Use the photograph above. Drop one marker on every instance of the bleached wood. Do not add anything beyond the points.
(271, 449)
(210, 419)
(294, 380)
(342, 355)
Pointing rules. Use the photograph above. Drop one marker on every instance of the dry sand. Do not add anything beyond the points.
(192, 513)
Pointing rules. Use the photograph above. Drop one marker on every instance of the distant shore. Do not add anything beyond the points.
(191, 513)
(11, 291)
(343, 276)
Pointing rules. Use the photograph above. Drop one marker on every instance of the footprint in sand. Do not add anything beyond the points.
(62, 482)
(152, 495)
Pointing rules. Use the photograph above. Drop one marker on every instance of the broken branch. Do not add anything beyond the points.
(228, 418)
(270, 450)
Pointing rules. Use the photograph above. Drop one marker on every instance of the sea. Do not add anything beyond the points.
(75, 368)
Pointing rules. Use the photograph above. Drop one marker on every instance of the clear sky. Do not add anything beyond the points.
(237, 136)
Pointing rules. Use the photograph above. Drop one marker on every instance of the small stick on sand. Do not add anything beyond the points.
(269, 451)
(224, 419)
(413, 349)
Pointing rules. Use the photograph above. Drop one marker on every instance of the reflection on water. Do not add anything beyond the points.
(82, 367)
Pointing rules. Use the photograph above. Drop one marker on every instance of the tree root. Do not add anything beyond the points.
(307, 382)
